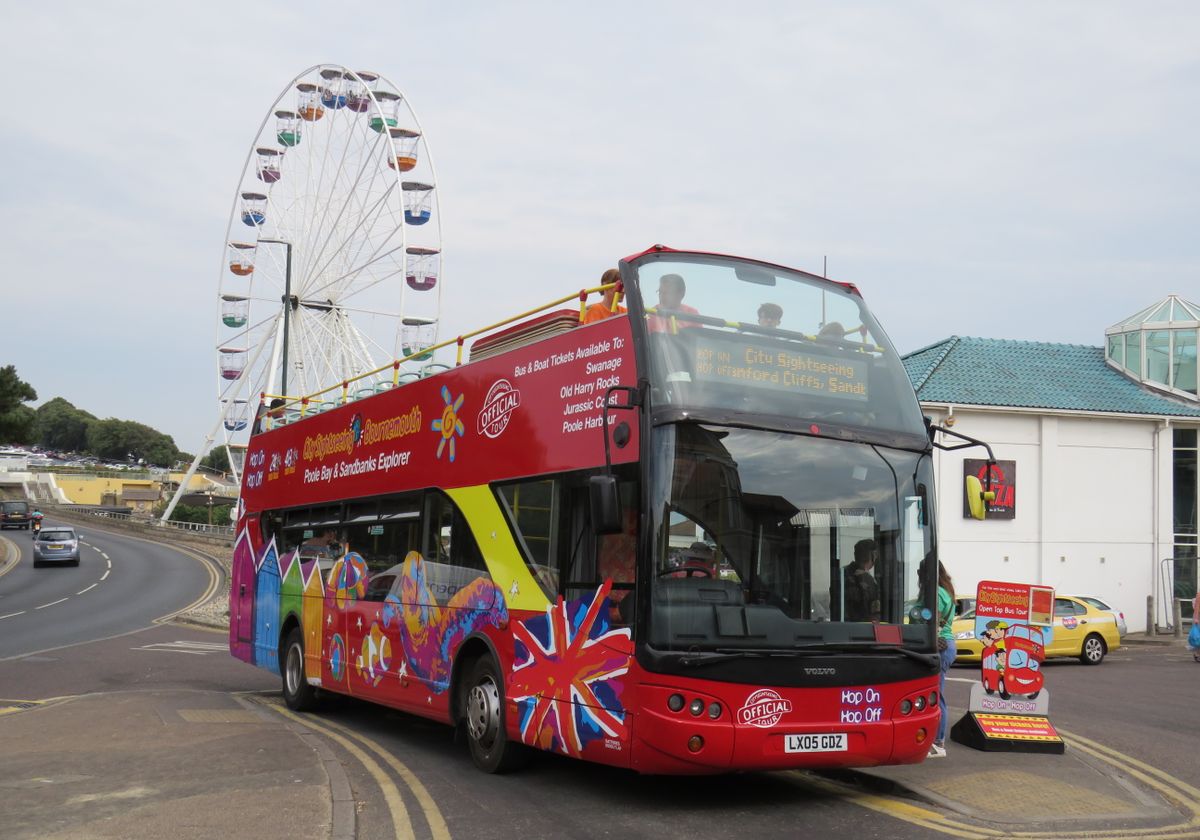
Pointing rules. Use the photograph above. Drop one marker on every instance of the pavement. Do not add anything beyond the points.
(1091, 789)
(165, 764)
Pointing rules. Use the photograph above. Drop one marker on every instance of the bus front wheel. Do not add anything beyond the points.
(491, 749)
(297, 693)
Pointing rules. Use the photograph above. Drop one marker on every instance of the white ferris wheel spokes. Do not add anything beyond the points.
(332, 255)
(324, 181)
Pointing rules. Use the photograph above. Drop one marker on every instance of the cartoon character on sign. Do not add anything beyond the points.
(993, 656)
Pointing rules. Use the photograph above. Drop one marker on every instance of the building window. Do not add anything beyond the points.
(1185, 493)
(1183, 361)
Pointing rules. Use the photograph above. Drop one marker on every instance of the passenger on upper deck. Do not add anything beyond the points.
(770, 314)
(671, 290)
(609, 306)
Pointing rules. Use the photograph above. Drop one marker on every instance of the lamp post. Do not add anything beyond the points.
(288, 303)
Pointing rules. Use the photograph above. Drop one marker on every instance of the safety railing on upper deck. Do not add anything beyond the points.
(292, 409)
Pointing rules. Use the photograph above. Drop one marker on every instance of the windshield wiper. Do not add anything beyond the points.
(927, 658)
(724, 655)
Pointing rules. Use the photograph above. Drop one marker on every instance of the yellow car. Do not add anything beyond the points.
(1079, 630)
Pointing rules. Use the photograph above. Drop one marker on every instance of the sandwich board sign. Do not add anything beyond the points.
(1014, 623)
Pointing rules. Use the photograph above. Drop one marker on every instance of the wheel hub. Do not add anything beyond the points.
(483, 712)
(293, 670)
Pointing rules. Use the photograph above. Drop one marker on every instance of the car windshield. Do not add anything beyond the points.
(56, 536)
(15, 507)
(773, 540)
(739, 337)
(1097, 603)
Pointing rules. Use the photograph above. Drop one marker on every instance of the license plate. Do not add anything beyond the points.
(816, 743)
(55, 546)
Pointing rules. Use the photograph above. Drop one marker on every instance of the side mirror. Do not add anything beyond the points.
(605, 504)
(977, 498)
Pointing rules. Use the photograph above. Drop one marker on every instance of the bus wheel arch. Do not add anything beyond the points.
(471, 650)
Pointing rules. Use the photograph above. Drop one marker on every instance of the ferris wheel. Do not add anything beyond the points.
(333, 255)
(332, 258)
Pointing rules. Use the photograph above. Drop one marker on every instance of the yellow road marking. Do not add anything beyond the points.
(437, 824)
(1178, 793)
(898, 809)
(395, 802)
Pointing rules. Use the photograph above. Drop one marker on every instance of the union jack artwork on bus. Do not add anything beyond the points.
(564, 675)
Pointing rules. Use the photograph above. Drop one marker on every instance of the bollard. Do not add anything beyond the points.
(1150, 628)
(1177, 617)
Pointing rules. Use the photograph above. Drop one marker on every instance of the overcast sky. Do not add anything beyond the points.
(1016, 170)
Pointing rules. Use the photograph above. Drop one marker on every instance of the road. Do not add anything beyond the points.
(167, 735)
(121, 584)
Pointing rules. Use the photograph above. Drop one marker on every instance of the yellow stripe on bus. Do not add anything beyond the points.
(500, 551)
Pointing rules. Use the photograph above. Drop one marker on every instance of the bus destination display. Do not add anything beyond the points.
(772, 367)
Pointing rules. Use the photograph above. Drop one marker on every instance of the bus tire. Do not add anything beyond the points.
(297, 693)
(483, 707)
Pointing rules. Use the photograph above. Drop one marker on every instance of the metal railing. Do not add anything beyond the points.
(303, 406)
(120, 516)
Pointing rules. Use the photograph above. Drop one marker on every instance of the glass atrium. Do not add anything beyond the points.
(1157, 346)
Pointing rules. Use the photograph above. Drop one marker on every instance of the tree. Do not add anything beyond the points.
(16, 420)
(60, 425)
(120, 440)
(199, 513)
(217, 459)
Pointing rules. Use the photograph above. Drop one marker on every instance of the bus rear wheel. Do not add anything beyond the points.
(297, 693)
(491, 749)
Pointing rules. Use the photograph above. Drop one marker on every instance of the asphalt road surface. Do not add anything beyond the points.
(121, 584)
(211, 729)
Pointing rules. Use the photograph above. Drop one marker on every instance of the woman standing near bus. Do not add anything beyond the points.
(947, 651)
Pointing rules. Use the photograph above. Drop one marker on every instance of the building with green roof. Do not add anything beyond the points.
(1098, 452)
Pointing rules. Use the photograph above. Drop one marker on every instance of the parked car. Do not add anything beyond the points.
(15, 515)
(1079, 630)
(1103, 605)
(56, 544)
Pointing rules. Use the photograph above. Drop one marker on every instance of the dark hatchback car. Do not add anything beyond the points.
(15, 515)
(56, 545)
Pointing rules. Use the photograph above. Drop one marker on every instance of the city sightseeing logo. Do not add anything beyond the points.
(763, 709)
(356, 428)
(449, 424)
(502, 399)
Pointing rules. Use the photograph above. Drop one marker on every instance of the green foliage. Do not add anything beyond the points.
(199, 514)
(121, 439)
(16, 420)
(217, 459)
(60, 425)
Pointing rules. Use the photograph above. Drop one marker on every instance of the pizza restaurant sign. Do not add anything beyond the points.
(1004, 484)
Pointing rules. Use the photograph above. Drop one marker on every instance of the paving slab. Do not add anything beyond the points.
(176, 764)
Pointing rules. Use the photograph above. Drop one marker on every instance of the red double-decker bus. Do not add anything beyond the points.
(645, 541)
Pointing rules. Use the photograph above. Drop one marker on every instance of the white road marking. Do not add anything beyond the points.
(198, 648)
(10, 615)
(51, 604)
(93, 586)
(106, 571)
(960, 679)
(107, 562)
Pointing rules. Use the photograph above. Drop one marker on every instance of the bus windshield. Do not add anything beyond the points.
(733, 336)
(776, 541)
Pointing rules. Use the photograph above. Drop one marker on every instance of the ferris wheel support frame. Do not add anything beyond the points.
(287, 304)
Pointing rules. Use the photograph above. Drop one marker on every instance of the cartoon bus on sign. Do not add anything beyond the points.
(1012, 659)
